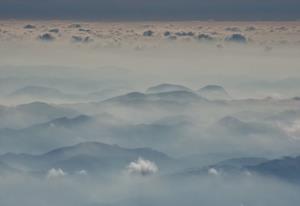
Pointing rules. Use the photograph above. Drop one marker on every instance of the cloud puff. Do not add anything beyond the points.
(142, 167)
(292, 130)
(55, 173)
(81, 172)
(213, 171)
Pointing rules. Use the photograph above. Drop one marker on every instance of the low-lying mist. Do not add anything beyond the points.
(132, 190)
(149, 113)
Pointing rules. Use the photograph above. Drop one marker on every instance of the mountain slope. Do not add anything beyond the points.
(25, 115)
(90, 156)
(160, 99)
(287, 168)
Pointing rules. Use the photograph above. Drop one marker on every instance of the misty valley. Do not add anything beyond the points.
(149, 113)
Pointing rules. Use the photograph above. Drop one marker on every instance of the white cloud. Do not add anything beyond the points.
(142, 167)
(54, 173)
(81, 172)
(213, 171)
(292, 130)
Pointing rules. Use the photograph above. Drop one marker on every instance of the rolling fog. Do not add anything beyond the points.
(131, 191)
(135, 118)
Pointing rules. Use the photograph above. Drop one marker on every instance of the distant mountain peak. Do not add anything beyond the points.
(213, 87)
(65, 121)
(34, 105)
(135, 94)
(167, 88)
(99, 148)
(214, 92)
(176, 96)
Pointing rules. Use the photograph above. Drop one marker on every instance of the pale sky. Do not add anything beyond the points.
(152, 9)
